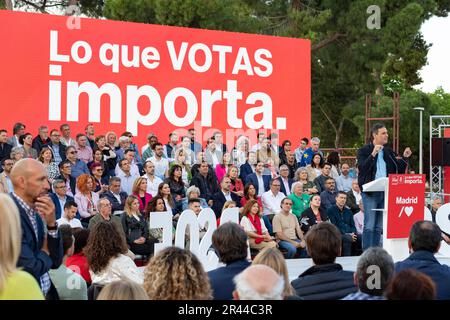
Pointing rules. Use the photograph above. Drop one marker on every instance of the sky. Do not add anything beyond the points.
(437, 72)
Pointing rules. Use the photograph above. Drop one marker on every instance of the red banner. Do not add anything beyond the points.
(406, 203)
(149, 78)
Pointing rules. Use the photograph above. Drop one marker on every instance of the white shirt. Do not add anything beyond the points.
(161, 166)
(74, 223)
(152, 186)
(286, 186)
(359, 222)
(227, 196)
(256, 147)
(261, 189)
(358, 196)
(248, 226)
(271, 203)
(119, 268)
(133, 169)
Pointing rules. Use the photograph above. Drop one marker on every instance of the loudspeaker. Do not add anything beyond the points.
(440, 151)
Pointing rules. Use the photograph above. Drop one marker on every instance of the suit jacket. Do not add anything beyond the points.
(62, 150)
(200, 183)
(12, 141)
(219, 200)
(367, 164)
(58, 210)
(72, 183)
(38, 144)
(32, 259)
(221, 279)
(253, 179)
(116, 206)
(245, 171)
(5, 151)
(351, 202)
(283, 189)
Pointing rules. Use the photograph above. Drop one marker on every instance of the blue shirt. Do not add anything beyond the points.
(362, 296)
(79, 168)
(381, 166)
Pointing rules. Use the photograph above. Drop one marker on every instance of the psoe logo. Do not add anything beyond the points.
(394, 181)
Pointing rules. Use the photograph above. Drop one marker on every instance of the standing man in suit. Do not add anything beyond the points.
(260, 181)
(222, 196)
(41, 244)
(376, 160)
(60, 197)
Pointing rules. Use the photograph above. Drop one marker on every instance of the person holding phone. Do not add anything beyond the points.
(377, 160)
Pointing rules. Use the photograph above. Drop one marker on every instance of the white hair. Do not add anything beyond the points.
(246, 292)
(315, 139)
(294, 185)
(124, 139)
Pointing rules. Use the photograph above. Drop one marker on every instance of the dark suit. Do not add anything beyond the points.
(38, 144)
(221, 279)
(253, 179)
(208, 186)
(5, 151)
(32, 259)
(58, 210)
(351, 202)
(62, 149)
(115, 204)
(219, 200)
(245, 171)
(425, 262)
(283, 189)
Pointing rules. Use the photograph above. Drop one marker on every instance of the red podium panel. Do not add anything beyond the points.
(406, 201)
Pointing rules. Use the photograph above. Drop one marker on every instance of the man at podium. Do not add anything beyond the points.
(376, 160)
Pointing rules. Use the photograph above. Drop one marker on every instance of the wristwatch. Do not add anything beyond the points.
(55, 227)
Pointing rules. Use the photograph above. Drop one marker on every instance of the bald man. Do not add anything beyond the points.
(41, 245)
(250, 287)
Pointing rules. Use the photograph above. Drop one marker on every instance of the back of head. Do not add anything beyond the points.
(81, 236)
(374, 271)
(425, 235)
(230, 242)
(65, 232)
(10, 237)
(274, 259)
(410, 284)
(323, 242)
(249, 284)
(176, 274)
(123, 290)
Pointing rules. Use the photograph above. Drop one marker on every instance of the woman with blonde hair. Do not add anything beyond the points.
(123, 290)
(135, 227)
(14, 283)
(46, 158)
(111, 140)
(176, 274)
(274, 259)
(140, 191)
(180, 159)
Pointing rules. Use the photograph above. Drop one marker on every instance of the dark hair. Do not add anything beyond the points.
(192, 200)
(65, 232)
(70, 204)
(323, 242)
(172, 173)
(121, 161)
(340, 192)
(333, 158)
(17, 127)
(81, 236)
(114, 179)
(53, 130)
(63, 125)
(169, 197)
(22, 137)
(79, 135)
(285, 142)
(157, 144)
(375, 128)
(4, 160)
(62, 163)
(425, 235)
(104, 242)
(128, 150)
(329, 178)
(151, 205)
(247, 186)
(3, 131)
(410, 284)
(321, 160)
(326, 164)
(230, 242)
(305, 139)
(97, 138)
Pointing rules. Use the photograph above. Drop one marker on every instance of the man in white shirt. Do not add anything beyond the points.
(68, 217)
(344, 181)
(161, 164)
(65, 136)
(153, 181)
(261, 136)
(212, 154)
(129, 155)
(271, 200)
(126, 177)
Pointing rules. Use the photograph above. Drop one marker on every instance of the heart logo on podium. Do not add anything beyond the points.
(409, 211)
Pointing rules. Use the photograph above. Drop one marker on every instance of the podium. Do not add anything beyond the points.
(397, 248)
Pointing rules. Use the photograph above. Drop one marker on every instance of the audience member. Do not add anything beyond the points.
(250, 194)
(65, 170)
(205, 181)
(271, 200)
(152, 181)
(250, 287)
(410, 284)
(78, 261)
(115, 196)
(237, 187)
(86, 198)
(41, 139)
(126, 177)
(308, 154)
(299, 199)
(313, 215)
(301, 175)
(176, 184)
(161, 163)
(328, 195)
(314, 169)
(84, 150)
(68, 217)
(354, 197)
(6, 185)
(193, 193)
(5, 147)
(104, 214)
(78, 167)
(260, 181)
(140, 192)
(344, 181)
(18, 130)
(220, 197)
(58, 149)
(123, 290)
(65, 136)
(301, 149)
(46, 158)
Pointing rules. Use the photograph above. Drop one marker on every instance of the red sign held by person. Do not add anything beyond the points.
(406, 202)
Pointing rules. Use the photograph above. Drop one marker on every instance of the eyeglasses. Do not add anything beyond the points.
(73, 152)
(9, 164)
(67, 167)
(99, 170)
(56, 135)
(276, 185)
